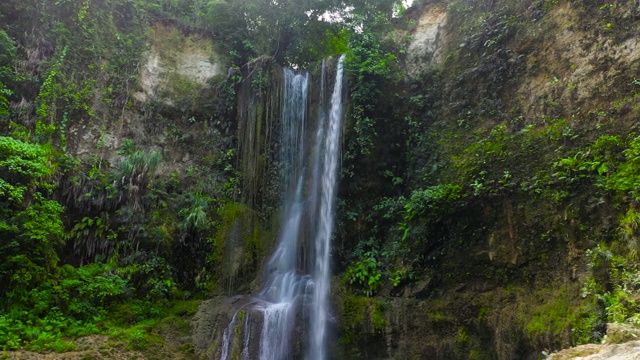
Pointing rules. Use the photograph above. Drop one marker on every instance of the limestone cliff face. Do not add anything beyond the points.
(505, 276)
(569, 55)
(426, 46)
(574, 61)
(165, 112)
(174, 61)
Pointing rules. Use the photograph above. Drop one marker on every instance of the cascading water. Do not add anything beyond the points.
(308, 215)
(284, 284)
(327, 192)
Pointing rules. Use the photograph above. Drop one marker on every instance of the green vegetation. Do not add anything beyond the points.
(93, 244)
(361, 313)
(467, 182)
(481, 180)
(89, 300)
(94, 228)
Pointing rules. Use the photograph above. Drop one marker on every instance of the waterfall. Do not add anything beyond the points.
(247, 338)
(327, 191)
(294, 290)
(283, 287)
(226, 338)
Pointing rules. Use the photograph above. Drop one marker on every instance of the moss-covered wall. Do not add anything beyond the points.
(513, 195)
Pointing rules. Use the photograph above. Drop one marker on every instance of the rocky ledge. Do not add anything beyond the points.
(621, 343)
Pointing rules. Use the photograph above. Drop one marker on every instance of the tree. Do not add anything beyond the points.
(30, 222)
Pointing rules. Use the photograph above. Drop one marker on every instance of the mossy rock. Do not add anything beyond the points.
(240, 244)
(620, 333)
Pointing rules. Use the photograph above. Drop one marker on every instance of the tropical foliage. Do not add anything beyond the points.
(93, 239)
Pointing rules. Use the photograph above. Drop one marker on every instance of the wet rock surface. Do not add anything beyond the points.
(222, 324)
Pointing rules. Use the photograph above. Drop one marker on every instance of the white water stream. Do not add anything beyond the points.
(285, 284)
(322, 245)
